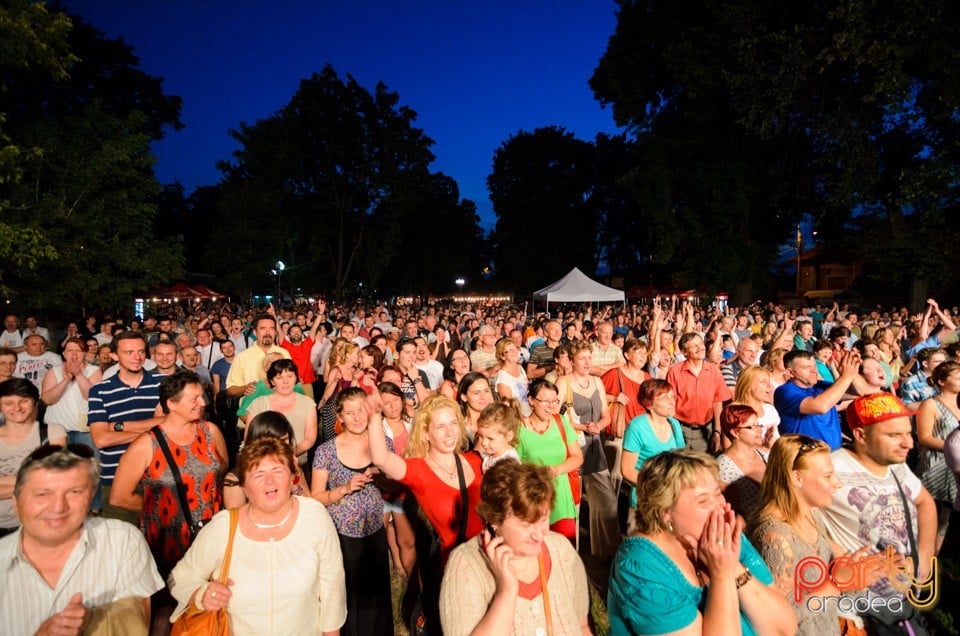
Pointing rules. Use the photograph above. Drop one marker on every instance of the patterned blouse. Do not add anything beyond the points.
(359, 514)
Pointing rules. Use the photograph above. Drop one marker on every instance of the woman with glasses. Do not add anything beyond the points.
(649, 434)
(547, 439)
(800, 479)
(744, 461)
(458, 366)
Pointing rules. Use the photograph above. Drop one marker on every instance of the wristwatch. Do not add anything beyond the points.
(118, 427)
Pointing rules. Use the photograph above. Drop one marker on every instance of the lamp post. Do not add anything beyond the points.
(280, 266)
(799, 254)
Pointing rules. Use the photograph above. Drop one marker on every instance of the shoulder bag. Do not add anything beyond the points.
(196, 622)
(573, 475)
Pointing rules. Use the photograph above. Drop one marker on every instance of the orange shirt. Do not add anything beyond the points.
(696, 394)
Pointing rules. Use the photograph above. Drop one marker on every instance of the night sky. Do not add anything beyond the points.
(474, 74)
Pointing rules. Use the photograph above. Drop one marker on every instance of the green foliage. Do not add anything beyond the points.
(88, 189)
(756, 114)
(540, 188)
(336, 184)
(31, 38)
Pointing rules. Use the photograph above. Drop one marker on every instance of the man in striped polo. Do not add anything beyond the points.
(120, 408)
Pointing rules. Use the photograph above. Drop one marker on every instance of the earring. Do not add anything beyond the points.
(669, 525)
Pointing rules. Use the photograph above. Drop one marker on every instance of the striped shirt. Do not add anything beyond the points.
(111, 561)
(113, 401)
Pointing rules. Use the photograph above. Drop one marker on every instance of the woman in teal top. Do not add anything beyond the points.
(689, 569)
(648, 434)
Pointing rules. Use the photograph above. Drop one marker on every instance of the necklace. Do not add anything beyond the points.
(269, 526)
(534, 421)
(448, 473)
(585, 384)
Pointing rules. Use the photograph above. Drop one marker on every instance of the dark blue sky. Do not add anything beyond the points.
(474, 72)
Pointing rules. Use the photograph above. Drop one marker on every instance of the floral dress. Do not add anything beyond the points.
(161, 520)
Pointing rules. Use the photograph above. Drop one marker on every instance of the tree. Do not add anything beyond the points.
(439, 240)
(540, 188)
(340, 165)
(844, 112)
(31, 38)
(91, 190)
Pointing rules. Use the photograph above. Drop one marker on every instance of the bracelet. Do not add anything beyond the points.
(198, 597)
(744, 577)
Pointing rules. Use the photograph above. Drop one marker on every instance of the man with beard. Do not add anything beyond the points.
(247, 368)
(299, 348)
(882, 505)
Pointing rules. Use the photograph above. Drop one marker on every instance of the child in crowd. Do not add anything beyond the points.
(498, 433)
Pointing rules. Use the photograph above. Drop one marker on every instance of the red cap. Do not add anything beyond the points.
(874, 408)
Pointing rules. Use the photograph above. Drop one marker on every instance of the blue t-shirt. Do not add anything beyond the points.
(825, 426)
(639, 438)
(648, 593)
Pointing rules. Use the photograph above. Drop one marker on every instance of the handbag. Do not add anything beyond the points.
(573, 475)
(196, 622)
(618, 412)
(568, 406)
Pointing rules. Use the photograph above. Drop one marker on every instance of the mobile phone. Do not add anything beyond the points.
(490, 529)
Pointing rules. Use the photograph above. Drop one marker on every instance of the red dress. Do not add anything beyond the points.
(440, 501)
(161, 519)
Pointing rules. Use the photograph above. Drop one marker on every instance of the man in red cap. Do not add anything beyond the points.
(881, 502)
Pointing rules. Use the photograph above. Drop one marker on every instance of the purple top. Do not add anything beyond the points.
(359, 514)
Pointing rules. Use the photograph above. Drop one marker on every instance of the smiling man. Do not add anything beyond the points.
(881, 503)
(62, 565)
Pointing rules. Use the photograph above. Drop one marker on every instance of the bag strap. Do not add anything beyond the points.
(464, 506)
(181, 489)
(563, 433)
(44, 436)
(914, 555)
(545, 593)
(225, 568)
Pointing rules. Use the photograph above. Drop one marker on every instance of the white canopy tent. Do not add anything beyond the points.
(577, 287)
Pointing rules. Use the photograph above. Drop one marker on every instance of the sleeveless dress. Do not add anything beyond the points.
(161, 520)
(590, 409)
(933, 470)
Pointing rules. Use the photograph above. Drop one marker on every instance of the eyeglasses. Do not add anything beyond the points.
(752, 427)
(553, 402)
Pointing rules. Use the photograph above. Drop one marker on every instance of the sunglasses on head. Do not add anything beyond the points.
(48, 450)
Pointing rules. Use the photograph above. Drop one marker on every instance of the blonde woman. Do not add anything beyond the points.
(445, 482)
(754, 388)
(798, 480)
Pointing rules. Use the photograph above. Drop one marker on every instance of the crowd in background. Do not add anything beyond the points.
(456, 445)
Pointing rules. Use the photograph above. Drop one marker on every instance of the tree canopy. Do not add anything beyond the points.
(85, 194)
(337, 184)
(751, 116)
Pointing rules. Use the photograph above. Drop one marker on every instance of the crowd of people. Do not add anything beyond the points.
(764, 469)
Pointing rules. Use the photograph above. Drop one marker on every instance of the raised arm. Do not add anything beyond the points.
(392, 465)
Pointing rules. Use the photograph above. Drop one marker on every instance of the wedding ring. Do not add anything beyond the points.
(720, 542)
(214, 594)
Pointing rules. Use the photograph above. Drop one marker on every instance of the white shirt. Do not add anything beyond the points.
(34, 368)
(110, 562)
(434, 371)
(11, 339)
(209, 355)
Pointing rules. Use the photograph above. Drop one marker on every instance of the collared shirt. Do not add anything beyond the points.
(111, 401)
(209, 355)
(111, 561)
(696, 394)
(247, 366)
(915, 388)
(605, 356)
(481, 360)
